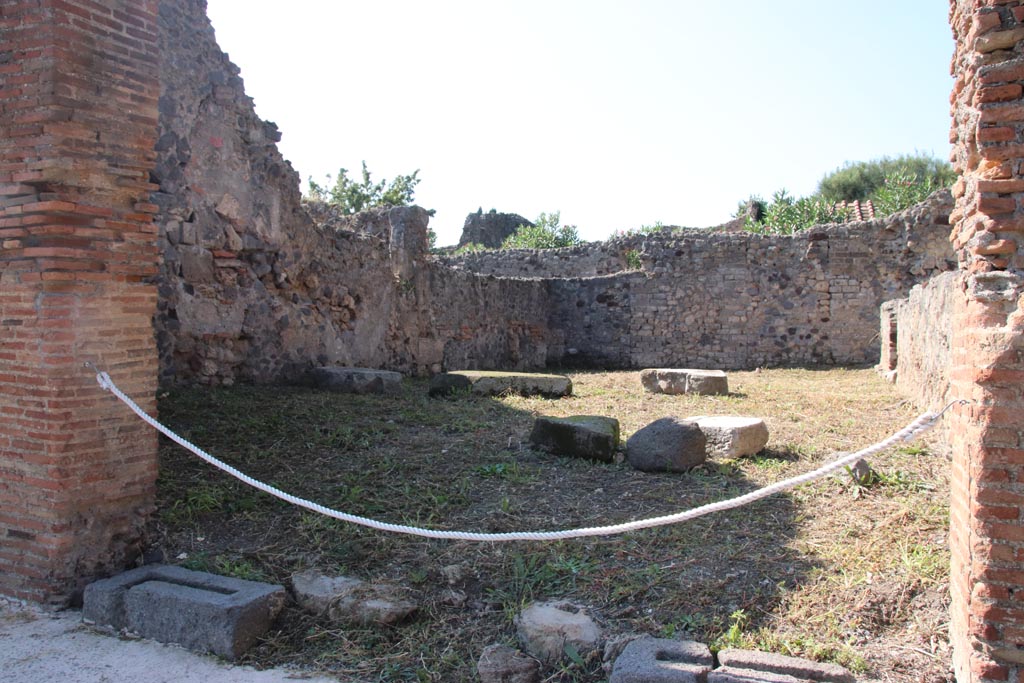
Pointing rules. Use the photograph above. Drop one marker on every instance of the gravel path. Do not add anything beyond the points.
(37, 645)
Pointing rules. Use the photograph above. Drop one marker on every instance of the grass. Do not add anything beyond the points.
(854, 573)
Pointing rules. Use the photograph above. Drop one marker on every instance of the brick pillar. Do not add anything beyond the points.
(78, 116)
(987, 525)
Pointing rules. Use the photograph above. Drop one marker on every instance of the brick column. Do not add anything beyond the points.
(78, 116)
(987, 526)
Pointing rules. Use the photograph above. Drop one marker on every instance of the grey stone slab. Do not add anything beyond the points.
(660, 660)
(494, 383)
(733, 436)
(355, 380)
(707, 382)
(684, 381)
(200, 611)
(782, 664)
(732, 674)
(579, 436)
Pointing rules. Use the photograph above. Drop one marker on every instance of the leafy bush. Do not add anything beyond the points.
(546, 234)
(862, 179)
(902, 189)
(642, 230)
(897, 188)
(354, 197)
(470, 248)
(786, 214)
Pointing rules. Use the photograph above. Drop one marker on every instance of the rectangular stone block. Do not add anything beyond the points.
(803, 669)
(200, 611)
(731, 674)
(493, 383)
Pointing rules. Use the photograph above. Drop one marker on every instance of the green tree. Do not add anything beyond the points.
(545, 234)
(859, 180)
(353, 197)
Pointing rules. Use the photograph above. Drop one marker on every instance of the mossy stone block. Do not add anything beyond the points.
(495, 383)
(581, 436)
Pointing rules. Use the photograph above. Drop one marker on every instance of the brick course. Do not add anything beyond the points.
(77, 255)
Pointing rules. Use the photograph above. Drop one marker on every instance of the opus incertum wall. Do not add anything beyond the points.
(78, 107)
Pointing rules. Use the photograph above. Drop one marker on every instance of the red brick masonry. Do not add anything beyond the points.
(78, 113)
(987, 366)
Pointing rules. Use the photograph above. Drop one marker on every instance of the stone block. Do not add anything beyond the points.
(733, 436)
(667, 445)
(580, 436)
(493, 383)
(660, 660)
(503, 664)
(545, 628)
(352, 601)
(732, 674)
(196, 265)
(684, 381)
(803, 669)
(355, 380)
(199, 611)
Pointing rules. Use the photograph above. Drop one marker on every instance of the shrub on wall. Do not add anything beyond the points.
(861, 180)
(546, 234)
(352, 196)
(891, 187)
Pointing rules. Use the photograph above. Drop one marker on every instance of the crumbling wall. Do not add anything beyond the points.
(919, 332)
(490, 229)
(586, 260)
(251, 289)
(735, 300)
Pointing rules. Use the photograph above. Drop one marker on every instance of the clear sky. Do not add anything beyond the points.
(617, 113)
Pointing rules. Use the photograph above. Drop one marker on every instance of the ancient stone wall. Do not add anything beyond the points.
(490, 229)
(251, 288)
(587, 260)
(77, 256)
(916, 336)
(733, 300)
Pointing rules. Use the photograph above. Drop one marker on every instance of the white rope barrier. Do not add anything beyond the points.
(922, 424)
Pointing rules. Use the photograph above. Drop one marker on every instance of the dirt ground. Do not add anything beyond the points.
(837, 571)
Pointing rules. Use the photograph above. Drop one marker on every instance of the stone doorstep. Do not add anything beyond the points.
(200, 611)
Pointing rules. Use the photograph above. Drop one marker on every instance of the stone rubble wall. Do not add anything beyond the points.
(490, 229)
(250, 288)
(921, 352)
(587, 260)
(740, 300)
(253, 287)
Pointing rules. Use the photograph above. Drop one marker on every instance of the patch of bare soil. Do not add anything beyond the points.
(833, 571)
